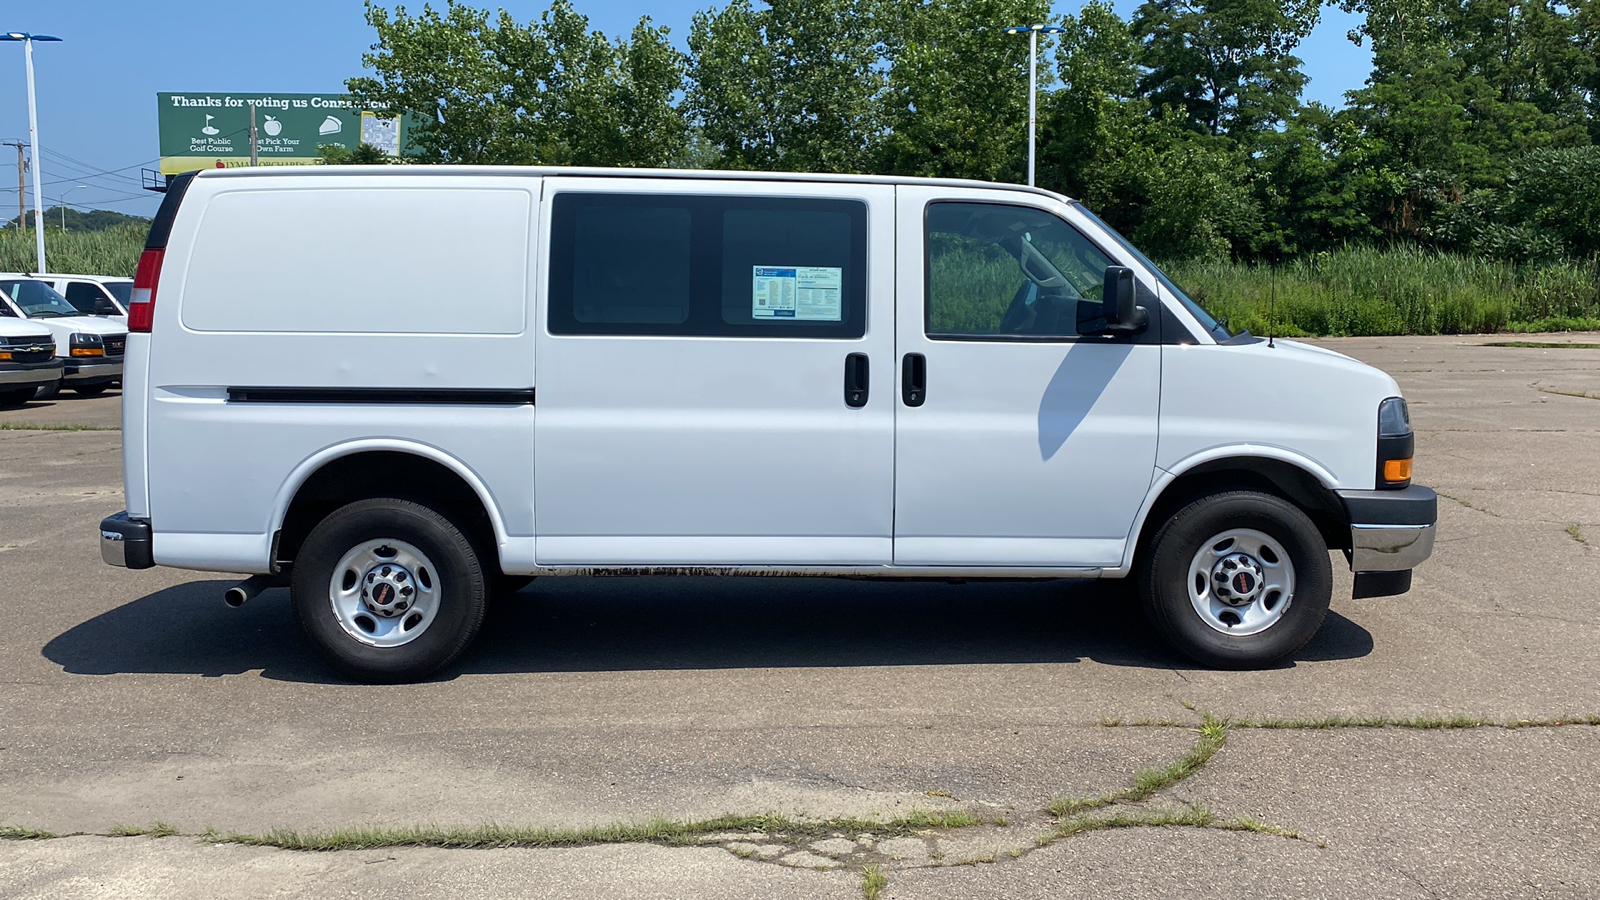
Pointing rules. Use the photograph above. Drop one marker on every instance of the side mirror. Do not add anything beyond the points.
(1122, 314)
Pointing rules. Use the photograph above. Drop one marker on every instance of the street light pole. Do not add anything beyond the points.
(33, 135)
(1033, 80)
(64, 195)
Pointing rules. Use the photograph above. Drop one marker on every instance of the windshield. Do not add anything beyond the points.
(1206, 321)
(122, 290)
(38, 300)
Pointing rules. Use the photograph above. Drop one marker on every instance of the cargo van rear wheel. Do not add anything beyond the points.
(388, 590)
(1237, 580)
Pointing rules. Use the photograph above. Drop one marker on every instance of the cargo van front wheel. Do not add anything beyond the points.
(388, 590)
(1237, 580)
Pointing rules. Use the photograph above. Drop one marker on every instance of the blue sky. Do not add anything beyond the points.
(96, 91)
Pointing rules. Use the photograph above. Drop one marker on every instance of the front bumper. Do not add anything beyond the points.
(125, 541)
(1390, 531)
(20, 375)
(87, 373)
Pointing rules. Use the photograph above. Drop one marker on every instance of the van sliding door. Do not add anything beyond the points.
(715, 374)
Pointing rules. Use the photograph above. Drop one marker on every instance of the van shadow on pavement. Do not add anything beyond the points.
(621, 624)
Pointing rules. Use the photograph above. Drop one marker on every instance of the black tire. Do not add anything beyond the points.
(90, 390)
(461, 580)
(48, 391)
(1163, 577)
(12, 398)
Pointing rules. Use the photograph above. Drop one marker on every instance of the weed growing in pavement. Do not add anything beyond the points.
(18, 833)
(873, 881)
(1188, 817)
(157, 829)
(658, 831)
(1213, 734)
(1576, 533)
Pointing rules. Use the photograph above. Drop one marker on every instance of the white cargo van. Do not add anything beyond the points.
(90, 347)
(95, 295)
(392, 388)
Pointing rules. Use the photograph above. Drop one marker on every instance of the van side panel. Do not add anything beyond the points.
(330, 289)
(371, 260)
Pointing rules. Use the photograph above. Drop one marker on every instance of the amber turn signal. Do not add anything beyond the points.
(88, 351)
(1396, 470)
(5, 355)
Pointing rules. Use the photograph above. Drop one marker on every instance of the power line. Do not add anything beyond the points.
(91, 172)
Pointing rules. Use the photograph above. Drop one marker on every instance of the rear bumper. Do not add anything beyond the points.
(87, 373)
(20, 375)
(1390, 531)
(125, 542)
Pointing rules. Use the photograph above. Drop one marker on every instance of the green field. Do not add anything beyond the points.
(1349, 292)
(114, 251)
(1371, 292)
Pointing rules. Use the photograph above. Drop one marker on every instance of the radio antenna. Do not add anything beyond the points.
(1272, 307)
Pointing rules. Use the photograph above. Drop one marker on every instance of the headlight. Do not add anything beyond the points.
(1396, 444)
(87, 345)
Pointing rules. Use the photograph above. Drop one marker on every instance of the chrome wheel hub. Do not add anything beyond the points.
(384, 592)
(388, 590)
(1241, 581)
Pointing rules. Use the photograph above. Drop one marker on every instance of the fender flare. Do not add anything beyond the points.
(1166, 477)
(314, 463)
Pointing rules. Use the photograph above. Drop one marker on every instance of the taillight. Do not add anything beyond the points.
(142, 301)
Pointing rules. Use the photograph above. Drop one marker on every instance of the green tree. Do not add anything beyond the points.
(549, 92)
(1175, 191)
(797, 85)
(442, 69)
(1228, 64)
(956, 104)
(1097, 109)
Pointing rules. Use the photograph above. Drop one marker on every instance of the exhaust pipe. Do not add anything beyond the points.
(236, 596)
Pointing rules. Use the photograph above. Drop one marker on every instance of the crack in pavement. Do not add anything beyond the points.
(916, 840)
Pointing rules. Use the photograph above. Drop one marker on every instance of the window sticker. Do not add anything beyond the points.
(810, 293)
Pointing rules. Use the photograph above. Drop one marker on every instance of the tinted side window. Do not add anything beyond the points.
(995, 270)
(89, 299)
(707, 266)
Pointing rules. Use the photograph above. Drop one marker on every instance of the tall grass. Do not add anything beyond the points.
(1365, 291)
(114, 251)
(1356, 291)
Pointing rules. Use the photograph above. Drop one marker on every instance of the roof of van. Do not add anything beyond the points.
(594, 172)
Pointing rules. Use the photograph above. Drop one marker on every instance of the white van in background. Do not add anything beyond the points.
(90, 347)
(391, 388)
(94, 295)
(27, 359)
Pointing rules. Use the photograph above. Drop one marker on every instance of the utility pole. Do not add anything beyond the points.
(254, 138)
(22, 185)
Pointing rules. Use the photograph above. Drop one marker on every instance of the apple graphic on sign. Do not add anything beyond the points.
(273, 127)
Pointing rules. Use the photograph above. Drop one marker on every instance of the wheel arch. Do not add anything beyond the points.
(1300, 481)
(358, 470)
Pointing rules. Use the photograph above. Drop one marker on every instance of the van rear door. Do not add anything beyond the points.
(714, 369)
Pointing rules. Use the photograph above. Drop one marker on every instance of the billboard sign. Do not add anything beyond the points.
(201, 130)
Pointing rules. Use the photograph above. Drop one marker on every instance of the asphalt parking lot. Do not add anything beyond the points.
(952, 716)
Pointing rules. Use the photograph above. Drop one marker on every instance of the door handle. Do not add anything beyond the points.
(913, 379)
(856, 372)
